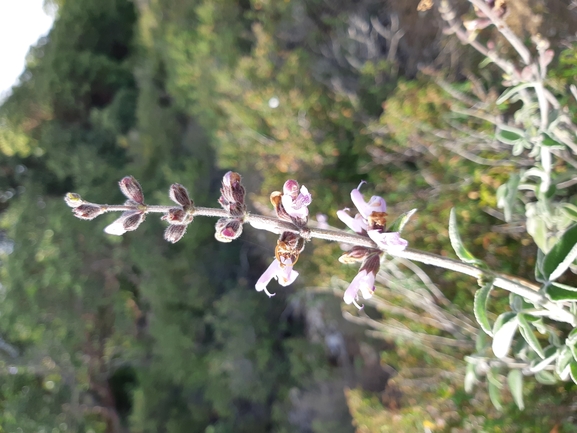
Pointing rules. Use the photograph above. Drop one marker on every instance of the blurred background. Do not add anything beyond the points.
(104, 334)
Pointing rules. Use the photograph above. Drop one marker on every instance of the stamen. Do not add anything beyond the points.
(357, 305)
(360, 184)
(269, 294)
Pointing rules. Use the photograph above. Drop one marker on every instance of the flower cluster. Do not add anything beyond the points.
(178, 217)
(370, 221)
(291, 206)
(232, 201)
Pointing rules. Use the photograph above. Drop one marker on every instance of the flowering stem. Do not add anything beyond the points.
(521, 287)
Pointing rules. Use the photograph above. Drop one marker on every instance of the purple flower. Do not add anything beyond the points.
(283, 272)
(294, 202)
(371, 220)
(364, 282)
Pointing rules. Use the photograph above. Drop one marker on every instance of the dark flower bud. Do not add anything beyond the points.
(228, 229)
(88, 211)
(232, 198)
(132, 222)
(73, 200)
(357, 254)
(179, 195)
(174, 232)
(131, 189)
(176, 215)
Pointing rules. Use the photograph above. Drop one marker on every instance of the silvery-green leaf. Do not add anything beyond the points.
(545, 378)
(480, 307)
(563, 253)
(457, 243)
(503, 337)
(512, 91)
(573, 371)
(401, 221)
(565, 356)
(515, 381)
(495, 396)
(470, 378)
(527, 333)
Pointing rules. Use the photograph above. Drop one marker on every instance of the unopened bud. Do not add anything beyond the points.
(132, 222)
(73, 200)
(356, 254)
(228, 229)
(88, 211)
(179, 195)
(174, 232)
(131, 189)
(233, 193)
(177, 215)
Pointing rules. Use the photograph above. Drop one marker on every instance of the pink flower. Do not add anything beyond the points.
(389, 241)
(295, 203)
(283, 272)
(363, 282)
(371, 221)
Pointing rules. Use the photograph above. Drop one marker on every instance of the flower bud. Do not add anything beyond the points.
(179, 195)
(357, 254)
(177, 215)
(276, 201)
(131, 189)
(88, 211)
(73, 200)
(132, 222)
(227, 229)
(233, 193)
(174, 232)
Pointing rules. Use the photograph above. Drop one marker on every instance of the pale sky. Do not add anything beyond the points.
(22, 23)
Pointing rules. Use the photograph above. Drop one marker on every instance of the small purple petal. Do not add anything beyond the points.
(273, 269)
(375, 204)
(389, 241)
(365, 282)
(356, 224)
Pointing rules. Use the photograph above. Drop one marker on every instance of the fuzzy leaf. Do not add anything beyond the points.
(480, 307)
(545, 378)
(561, 255)
(564, 358)
(457, 243)
(495, 396)
(399, 223)
(515, 381)
(503, 333)
(529, 336)
(561, 292)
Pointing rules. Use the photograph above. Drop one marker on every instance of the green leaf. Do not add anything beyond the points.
(457, 243)
(570, 210)
(470, 378)
(539, 276)
(545, 378)
(495, 396)
(572, 337)
(527, 333)
(507, 196)
(399, 223)
(561, 292)
(511, 91)
(573, 371)
(480, 307)
(573, 351)
(565, 356)
(563, 253)
(515, 381)
(551, 142)
(503, 333)
(481, 341)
